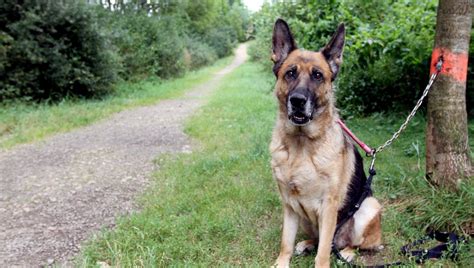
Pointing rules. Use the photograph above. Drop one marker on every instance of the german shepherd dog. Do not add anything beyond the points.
(318, 170)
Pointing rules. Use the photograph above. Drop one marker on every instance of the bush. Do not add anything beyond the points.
(200, 53)
(52, 50)
(220, 24)
(387, 65)
(222, 39)
(179, 37)
(146, 45)
(387, 53)
(238, 17)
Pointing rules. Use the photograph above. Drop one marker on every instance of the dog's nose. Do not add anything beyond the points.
(298, 100)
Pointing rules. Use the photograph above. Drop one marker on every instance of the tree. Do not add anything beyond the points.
(447, 146)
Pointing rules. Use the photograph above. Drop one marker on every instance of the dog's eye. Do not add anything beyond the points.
(317, 75)
(291, 74)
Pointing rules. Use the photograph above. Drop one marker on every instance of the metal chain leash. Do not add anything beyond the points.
(449, 240)
(433, 77)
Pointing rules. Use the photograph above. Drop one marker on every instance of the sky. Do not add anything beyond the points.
(253, 5)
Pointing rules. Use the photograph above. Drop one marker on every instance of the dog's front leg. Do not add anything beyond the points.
(327, 222)
(290, 227)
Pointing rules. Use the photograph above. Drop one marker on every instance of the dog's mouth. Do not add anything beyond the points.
(300, 106)
(300, 118)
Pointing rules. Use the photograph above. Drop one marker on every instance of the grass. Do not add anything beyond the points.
(219, 206)
(23, 123)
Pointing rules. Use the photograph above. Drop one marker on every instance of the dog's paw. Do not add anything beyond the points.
(348, 254)
(304, 247)
(321, 263)
(281, 264)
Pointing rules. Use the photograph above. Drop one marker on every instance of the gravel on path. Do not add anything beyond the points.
(56, 193)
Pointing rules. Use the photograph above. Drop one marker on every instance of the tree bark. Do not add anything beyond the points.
(447, 146)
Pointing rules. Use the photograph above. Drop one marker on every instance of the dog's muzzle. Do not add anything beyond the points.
(300, 105)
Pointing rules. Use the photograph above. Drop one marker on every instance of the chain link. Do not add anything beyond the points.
(413, 112)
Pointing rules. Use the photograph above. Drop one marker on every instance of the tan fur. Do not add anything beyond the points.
(312, 164)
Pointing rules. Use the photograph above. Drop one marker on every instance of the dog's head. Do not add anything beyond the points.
(304, 78)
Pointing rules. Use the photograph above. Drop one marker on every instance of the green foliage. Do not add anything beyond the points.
(387, 64)
(52, 50)
(182, 35)
(222, 39)
(219, 24)
(200, 53)
(201, 15)
(387, 53)
(238, 17)
(146, 45)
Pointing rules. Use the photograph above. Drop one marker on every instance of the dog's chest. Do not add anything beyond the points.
(300, 176)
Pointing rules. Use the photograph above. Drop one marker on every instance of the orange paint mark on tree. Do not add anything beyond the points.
(454, 64)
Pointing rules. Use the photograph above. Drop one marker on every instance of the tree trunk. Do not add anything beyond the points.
(447, 146)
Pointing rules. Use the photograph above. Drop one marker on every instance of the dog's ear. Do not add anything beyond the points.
(333, 50)
(283, 43)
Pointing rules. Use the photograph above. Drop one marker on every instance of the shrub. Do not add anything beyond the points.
(222, 39)
(238, 18)
(146, 45)
(168, 49)
(52, 50)
(200, 53)
(387, 53)
(387, 64)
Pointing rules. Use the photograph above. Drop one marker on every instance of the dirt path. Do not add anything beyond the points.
(56, 193)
